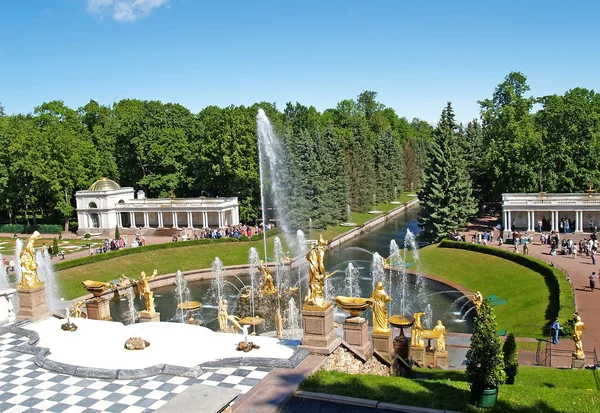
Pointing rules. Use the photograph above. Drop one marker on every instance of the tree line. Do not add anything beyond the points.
(511, 148)
(353, 154)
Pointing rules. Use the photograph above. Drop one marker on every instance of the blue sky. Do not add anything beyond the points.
(416, 55)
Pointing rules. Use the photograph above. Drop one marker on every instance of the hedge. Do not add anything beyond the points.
(154, 247)
(28, 229)
(560, 300)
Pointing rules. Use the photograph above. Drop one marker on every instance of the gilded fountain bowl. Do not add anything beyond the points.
(189, 305)
(401, 321)
(96, 287)
(354, 305)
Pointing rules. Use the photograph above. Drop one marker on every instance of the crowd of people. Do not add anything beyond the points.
(230, 232)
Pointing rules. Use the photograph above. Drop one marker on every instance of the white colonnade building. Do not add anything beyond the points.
(523, 211)
(105, 205)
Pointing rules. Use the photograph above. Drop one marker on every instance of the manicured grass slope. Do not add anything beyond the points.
(525, 290)
(536, 389)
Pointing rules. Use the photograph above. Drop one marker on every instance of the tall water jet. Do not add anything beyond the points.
(410, 244)
(292, 315)
(378, 273)
(254, 260)
(47, 275)
(131, 315)
(352, 287)
(303, 267)
(182, 292)
(428, 319)
(349, 212)
(270, 153)
(3, 276)
(215, 292)
(396, 263)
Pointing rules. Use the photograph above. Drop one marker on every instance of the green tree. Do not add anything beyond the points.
(485, 361)
(361, 169)
(511, 358)
(446, 195)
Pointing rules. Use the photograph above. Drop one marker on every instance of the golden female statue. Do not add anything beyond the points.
(417, 329)
(222, 315)
(317, 274)
(267, 286)
(380, 313)
(441, 340)
(145, 291)
(29, 276)
(579, 326)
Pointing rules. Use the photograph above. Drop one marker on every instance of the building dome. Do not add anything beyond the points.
(104, 184)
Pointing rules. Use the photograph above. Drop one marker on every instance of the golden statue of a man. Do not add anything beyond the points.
(477, 300)
(579, 326)
(380, 313)
(417, 330)
(144, 291)
(29, 276)
(441, 339)
(268, 285)
(317, 274)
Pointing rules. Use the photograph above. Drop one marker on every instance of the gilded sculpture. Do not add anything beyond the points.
(76, 310)
(417, 329)
(143, 288)
(267, 286)
(224, 318)
(477, 300)
(317, 274)
(579, 326)
(380, 314)
(29, 276)
(441, 339)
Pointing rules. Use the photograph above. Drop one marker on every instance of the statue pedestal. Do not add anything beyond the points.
(98, 309)
(319, 335)
(577, 363)
(441, 359)
(384, 344)
(356, 333)
(148, 317)
(430, 356)
(418, 354)
(32, 303)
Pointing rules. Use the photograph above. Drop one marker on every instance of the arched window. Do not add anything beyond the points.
(121, 202)
(92, 205)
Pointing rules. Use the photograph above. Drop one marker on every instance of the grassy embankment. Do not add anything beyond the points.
(530, 304)
(535, 390)
(183, 258)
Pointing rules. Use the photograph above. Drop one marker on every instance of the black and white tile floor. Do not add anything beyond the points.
(24, 387)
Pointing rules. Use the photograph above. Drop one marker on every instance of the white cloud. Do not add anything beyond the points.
(124, 10)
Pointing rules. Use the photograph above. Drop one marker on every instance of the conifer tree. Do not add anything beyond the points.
(361, 170)
(446, 195)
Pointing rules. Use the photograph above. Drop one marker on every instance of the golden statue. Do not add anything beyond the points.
(76, 311)
(477, 300)
(317, 274)
(286, 260)
(267, 286)
(417, 330)
(222, 315)
(441, 340)
(380, 313)
(124, 282)
(579, 326)
(144, 290)
(29, 276)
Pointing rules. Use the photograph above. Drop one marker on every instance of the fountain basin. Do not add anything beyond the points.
(354, 305)
(99, 344)
(401, 321)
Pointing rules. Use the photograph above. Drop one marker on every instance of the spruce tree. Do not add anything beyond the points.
(361, 170)
(446, 195)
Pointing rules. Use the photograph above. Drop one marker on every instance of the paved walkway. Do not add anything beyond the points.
(578, 269)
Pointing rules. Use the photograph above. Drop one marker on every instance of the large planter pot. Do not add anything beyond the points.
(484, 397)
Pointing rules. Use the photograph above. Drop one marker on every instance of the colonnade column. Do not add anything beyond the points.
(146, 220)
(551, 220)
(579, 221)
(528, 221)
(175, 223)
(205, 220)
(189, 219)
(132, 219)
(509, 221)
(160, 220)
(119, 220)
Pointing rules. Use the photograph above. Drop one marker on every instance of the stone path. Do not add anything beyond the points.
(24, 387)
(578, 269)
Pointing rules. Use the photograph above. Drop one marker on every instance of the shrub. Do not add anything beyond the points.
(55, 246)
(485, 361)
(511, 360)
(28, 229)
(117, 235)
(73, 226)
(14, 228)
(87, 235)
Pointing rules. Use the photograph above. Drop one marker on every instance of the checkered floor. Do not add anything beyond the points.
(24, 387)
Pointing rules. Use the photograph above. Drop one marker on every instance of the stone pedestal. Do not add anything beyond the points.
(430, 356)
(418, 355)
(356, 333)
(384, 344)
(441, 359)
(98, 309)
(577, 363)
(319, 335)
(32, 303)
(147, 317)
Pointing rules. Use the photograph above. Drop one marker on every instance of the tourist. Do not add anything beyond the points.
(62, 254)
(592, 281)
(11, 265)
(526, 249)
(91, 251)
(574, 251)
(554, 331)
(593, 256)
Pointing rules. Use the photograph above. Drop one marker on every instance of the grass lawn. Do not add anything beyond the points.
(524, 289)
(182, 258)
(7, 245)
(536, 389)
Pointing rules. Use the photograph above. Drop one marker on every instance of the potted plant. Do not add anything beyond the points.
(485, 361)
(511, 360)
